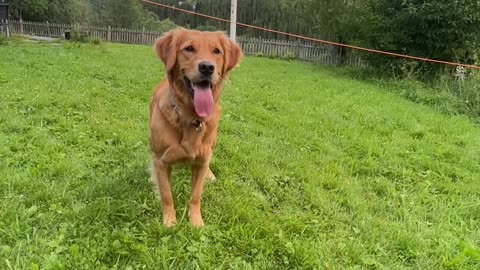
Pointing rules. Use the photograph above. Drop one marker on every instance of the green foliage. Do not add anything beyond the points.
(28, 9)
(127, 14)
(96, 41)
(273, 55)
(162, 26)
(124, 13)
(315, 170)
(445, 93)
(61, 11)
(444, 30)
(116, 13)
(289, 56)
(206, 28)
(79, 35)
(71, 11)
(467, 92)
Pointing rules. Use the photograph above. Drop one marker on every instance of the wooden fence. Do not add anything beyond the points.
(320, 53)
(4, 30)
(326, 54)
(109, 34)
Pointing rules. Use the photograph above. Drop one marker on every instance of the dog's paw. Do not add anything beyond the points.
(169, 219)
(195, 218)
(196, 221)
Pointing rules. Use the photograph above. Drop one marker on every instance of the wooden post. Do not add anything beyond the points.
(109, 34)
(143, 35)
(233, 21)
(297, 49)
(8, 29)
(48, 29)
(21, 26)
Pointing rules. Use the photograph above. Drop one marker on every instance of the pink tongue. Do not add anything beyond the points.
(203, 100)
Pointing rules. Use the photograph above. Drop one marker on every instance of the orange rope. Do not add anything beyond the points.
(316, 40)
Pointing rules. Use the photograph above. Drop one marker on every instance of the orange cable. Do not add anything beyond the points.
(316, 40)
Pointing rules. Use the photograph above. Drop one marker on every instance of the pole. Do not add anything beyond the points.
(233, 21)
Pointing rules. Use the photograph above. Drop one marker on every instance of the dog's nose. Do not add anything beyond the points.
(206, 68)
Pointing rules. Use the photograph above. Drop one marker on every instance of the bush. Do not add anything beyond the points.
(289, 56)
(206, 28)
(161, 26)
(273, 56)
(96, 41)
(443, 29)
(79, 36)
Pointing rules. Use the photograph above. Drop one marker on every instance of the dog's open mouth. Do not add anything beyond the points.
(201, 93)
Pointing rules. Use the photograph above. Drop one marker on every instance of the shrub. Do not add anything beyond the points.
(272, 56)
(79, 36)
(96, 41)
(467, 91)
(289, 56)
(206, 28)
(161, 26)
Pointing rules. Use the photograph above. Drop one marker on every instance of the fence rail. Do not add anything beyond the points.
(320, 53)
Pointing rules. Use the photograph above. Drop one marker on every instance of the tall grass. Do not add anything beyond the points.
(3, 40)
(442, 90)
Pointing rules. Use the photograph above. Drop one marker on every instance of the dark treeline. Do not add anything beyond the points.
(440, 29)
(271, 14)
(116, 13)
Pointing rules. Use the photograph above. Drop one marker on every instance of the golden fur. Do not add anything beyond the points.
(177, 133)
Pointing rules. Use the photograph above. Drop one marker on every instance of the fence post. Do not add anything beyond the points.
(143, 35)
(21, 26)
(109, 34)
(297, 49)
(48, 29)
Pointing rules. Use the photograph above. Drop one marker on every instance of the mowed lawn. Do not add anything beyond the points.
(315, 170)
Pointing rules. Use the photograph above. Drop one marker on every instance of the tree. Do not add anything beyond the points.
(28, 9)
(61, 11)
(440, 29)
(70, 11)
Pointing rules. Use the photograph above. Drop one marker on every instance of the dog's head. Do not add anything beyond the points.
(197, 62)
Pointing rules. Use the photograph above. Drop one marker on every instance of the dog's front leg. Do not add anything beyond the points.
(161, 177)
(174, 154)
(199, 172)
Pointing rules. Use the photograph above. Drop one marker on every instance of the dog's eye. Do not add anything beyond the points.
(189, 49)
(216, 51)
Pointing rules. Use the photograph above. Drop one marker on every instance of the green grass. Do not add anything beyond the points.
(315, 170)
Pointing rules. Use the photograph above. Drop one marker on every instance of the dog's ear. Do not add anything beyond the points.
(166, 49)
(232, 56)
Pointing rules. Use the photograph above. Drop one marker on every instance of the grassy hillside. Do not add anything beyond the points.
(315, 170)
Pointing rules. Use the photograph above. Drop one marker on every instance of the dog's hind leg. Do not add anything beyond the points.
(161, 179)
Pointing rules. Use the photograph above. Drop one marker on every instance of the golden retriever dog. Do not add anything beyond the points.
(185, 111)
